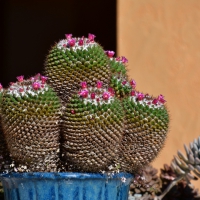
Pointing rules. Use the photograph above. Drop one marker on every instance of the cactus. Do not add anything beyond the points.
(30, 121)
(73, 60)
(92, 129)
(119, 81)
(146, 126)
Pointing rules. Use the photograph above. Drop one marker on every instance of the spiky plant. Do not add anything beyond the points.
(146, 126)
(92, 129)
(119, 81)
(30, 121)
(73, 60)
(5, 159)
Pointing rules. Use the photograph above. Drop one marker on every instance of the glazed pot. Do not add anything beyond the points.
(65, 186)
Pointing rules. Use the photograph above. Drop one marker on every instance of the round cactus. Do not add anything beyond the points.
(146, 126)
(92, 129)
(73, 60)
(30, 121)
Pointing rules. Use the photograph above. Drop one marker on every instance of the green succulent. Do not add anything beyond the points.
(146, 126)
(73, 60)
(92, 129)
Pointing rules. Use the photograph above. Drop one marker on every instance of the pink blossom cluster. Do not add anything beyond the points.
(36, 83)
(85, 92)
(71, 42)
(1, 87)
(140, 96)
(123, 59)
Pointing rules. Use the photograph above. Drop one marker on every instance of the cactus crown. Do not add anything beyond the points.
(74, 44)
(33, 86)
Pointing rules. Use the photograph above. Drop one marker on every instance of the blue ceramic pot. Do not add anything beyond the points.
(65, 186)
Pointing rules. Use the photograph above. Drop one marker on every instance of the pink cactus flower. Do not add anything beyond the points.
(1, 86)
(72, 42)
(124, 82)
(118, 59)
(155, 101)
(68, 36)
(37, 76)
(32, 79)
(98, 99)
(83, 84)
(91, 37)
(21, 89)
(110, 54)
(161, 99)
(106, 95)
(140, 96)
(83, 93)
(92, 96)
(81, 42)
(124, 60)
(112, 91)
(73, 111)
(133, 83)
(99, 84)
(43, 79)
(20, 78)
(36, 86)
(133, 93)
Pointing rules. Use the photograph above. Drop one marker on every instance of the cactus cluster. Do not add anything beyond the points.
(85, 114)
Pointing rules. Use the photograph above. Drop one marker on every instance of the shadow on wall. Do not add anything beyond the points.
(30, 28)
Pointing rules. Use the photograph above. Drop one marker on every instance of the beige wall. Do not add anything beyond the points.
(161, 39)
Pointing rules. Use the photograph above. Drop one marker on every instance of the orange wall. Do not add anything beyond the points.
(161, 39)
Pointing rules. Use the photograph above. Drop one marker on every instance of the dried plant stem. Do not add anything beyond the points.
(173, 183)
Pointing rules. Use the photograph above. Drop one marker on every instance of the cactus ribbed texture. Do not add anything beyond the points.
(146, 126)
(92, 129)
(5, 159)
(30, 121)
(74, 60)
(184, 165)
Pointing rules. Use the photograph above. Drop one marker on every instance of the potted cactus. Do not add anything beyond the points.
(82, 130)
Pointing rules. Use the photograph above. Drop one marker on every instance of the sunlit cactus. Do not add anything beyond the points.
(30, 121)
(146, 127)
(92, 129)
(73, 60)
(86, 116)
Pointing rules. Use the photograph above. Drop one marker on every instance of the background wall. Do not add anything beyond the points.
(161, 39)
(30, 28)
